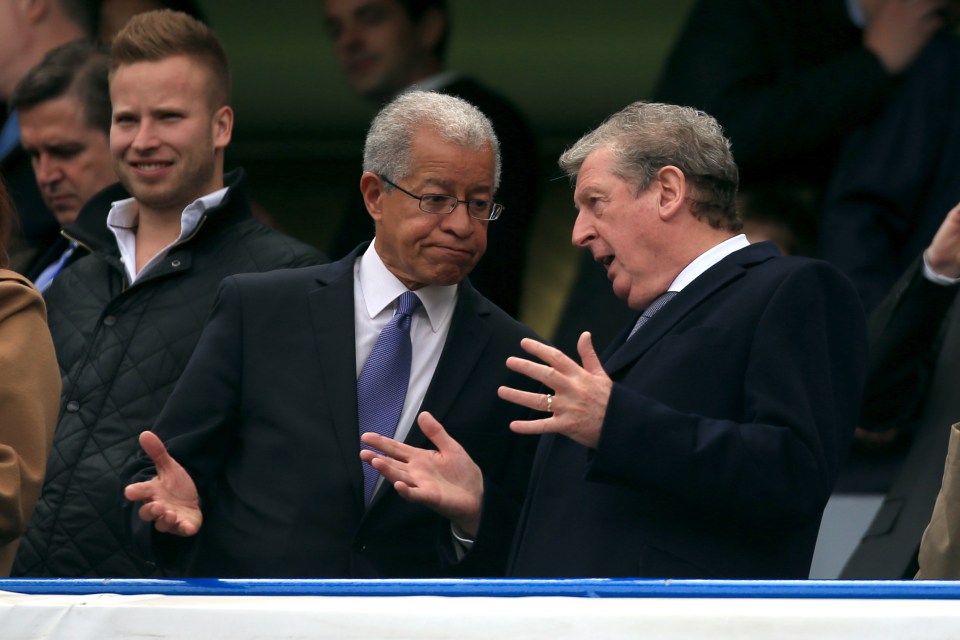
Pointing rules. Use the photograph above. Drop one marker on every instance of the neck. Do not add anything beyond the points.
(155, 230)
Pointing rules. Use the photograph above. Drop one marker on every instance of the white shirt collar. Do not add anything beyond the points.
(381, 288)
(706, 260)
(122, 222)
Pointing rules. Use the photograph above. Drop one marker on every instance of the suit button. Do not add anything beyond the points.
(73, 406)
(175, 263)
(110, 321)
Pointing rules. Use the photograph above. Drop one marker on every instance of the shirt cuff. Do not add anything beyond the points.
(935, 277)
(461, 543)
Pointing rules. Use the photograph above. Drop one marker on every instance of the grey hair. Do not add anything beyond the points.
(644, 137)
(389, 140)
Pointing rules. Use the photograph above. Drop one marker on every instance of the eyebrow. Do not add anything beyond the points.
(447, 184)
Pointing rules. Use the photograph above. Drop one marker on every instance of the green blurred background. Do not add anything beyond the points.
(567, 65)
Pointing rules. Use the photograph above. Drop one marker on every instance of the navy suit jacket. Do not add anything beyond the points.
(730, 412)
(265, 421)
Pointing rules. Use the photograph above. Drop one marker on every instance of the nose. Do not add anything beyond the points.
(458, 221)
(48, 171)
(350, 38)
(145, 137)
(583, 232)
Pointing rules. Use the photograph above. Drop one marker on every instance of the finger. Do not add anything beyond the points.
(551, 355)
(153, 447)
(388, 446)
(531, 427)
(391, 470)
(435, 432)
(138, 491)
(588, 355)
(528, 399)
(540, 372)
(146, 512)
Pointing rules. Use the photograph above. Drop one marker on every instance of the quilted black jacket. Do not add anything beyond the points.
(121, 349)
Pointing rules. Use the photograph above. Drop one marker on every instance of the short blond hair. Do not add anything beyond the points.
(156, 35)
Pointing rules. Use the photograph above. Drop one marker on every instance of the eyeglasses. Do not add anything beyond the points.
(442, 204)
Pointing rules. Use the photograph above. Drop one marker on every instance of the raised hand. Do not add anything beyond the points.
(170, 498)
(446, 480)
(580, 393)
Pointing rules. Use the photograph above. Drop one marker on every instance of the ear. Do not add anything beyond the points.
(372, 189)
(430, 28)
(673, 191)
(222, 124)
(33, 10)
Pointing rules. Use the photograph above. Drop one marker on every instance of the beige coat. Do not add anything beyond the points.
(29, 403)
(940, 548)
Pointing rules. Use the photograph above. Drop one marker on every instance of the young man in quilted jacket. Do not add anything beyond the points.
(126, 318)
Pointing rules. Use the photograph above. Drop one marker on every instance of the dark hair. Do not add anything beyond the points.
(6, 220)
(78, 68)
(157, 35)
(82, 13)
(415, 9)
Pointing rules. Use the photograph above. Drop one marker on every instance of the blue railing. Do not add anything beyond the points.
(583, 588)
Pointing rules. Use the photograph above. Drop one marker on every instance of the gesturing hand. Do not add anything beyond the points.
(580, 394)
(446, 480)
(944, 251)
(170, 498)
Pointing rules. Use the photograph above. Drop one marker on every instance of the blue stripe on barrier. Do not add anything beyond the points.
(580, 588)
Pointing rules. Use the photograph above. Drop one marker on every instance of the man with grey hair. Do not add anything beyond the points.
(706, 439)
(253, 468)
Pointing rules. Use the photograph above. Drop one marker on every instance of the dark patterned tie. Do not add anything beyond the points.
(655, 306)
(382, 385)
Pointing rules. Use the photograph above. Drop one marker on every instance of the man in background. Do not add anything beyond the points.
(64, 109)
(28, 30)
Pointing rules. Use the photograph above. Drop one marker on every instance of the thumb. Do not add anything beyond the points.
(588, 355)
(435, 432)
(153, 447)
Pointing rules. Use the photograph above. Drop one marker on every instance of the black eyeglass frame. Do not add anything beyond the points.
(495, 208)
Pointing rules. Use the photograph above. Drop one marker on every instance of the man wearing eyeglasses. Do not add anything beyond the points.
(261, 476)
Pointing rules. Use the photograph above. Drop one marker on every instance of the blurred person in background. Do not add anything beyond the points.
(64, 109)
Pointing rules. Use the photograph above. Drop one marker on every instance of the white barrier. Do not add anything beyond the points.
(556, 609)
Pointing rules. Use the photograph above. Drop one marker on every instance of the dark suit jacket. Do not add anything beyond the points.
(911, 387)
(265, 420)
(499, 276)
(730, 412)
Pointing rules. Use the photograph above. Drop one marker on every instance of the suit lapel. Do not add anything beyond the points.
(469, 334)
(712, 280)
(331, 314)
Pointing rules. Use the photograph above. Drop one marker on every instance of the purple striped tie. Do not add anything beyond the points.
(382, 385)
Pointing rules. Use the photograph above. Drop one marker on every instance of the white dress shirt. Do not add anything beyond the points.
(375, 294)
(123, 219)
